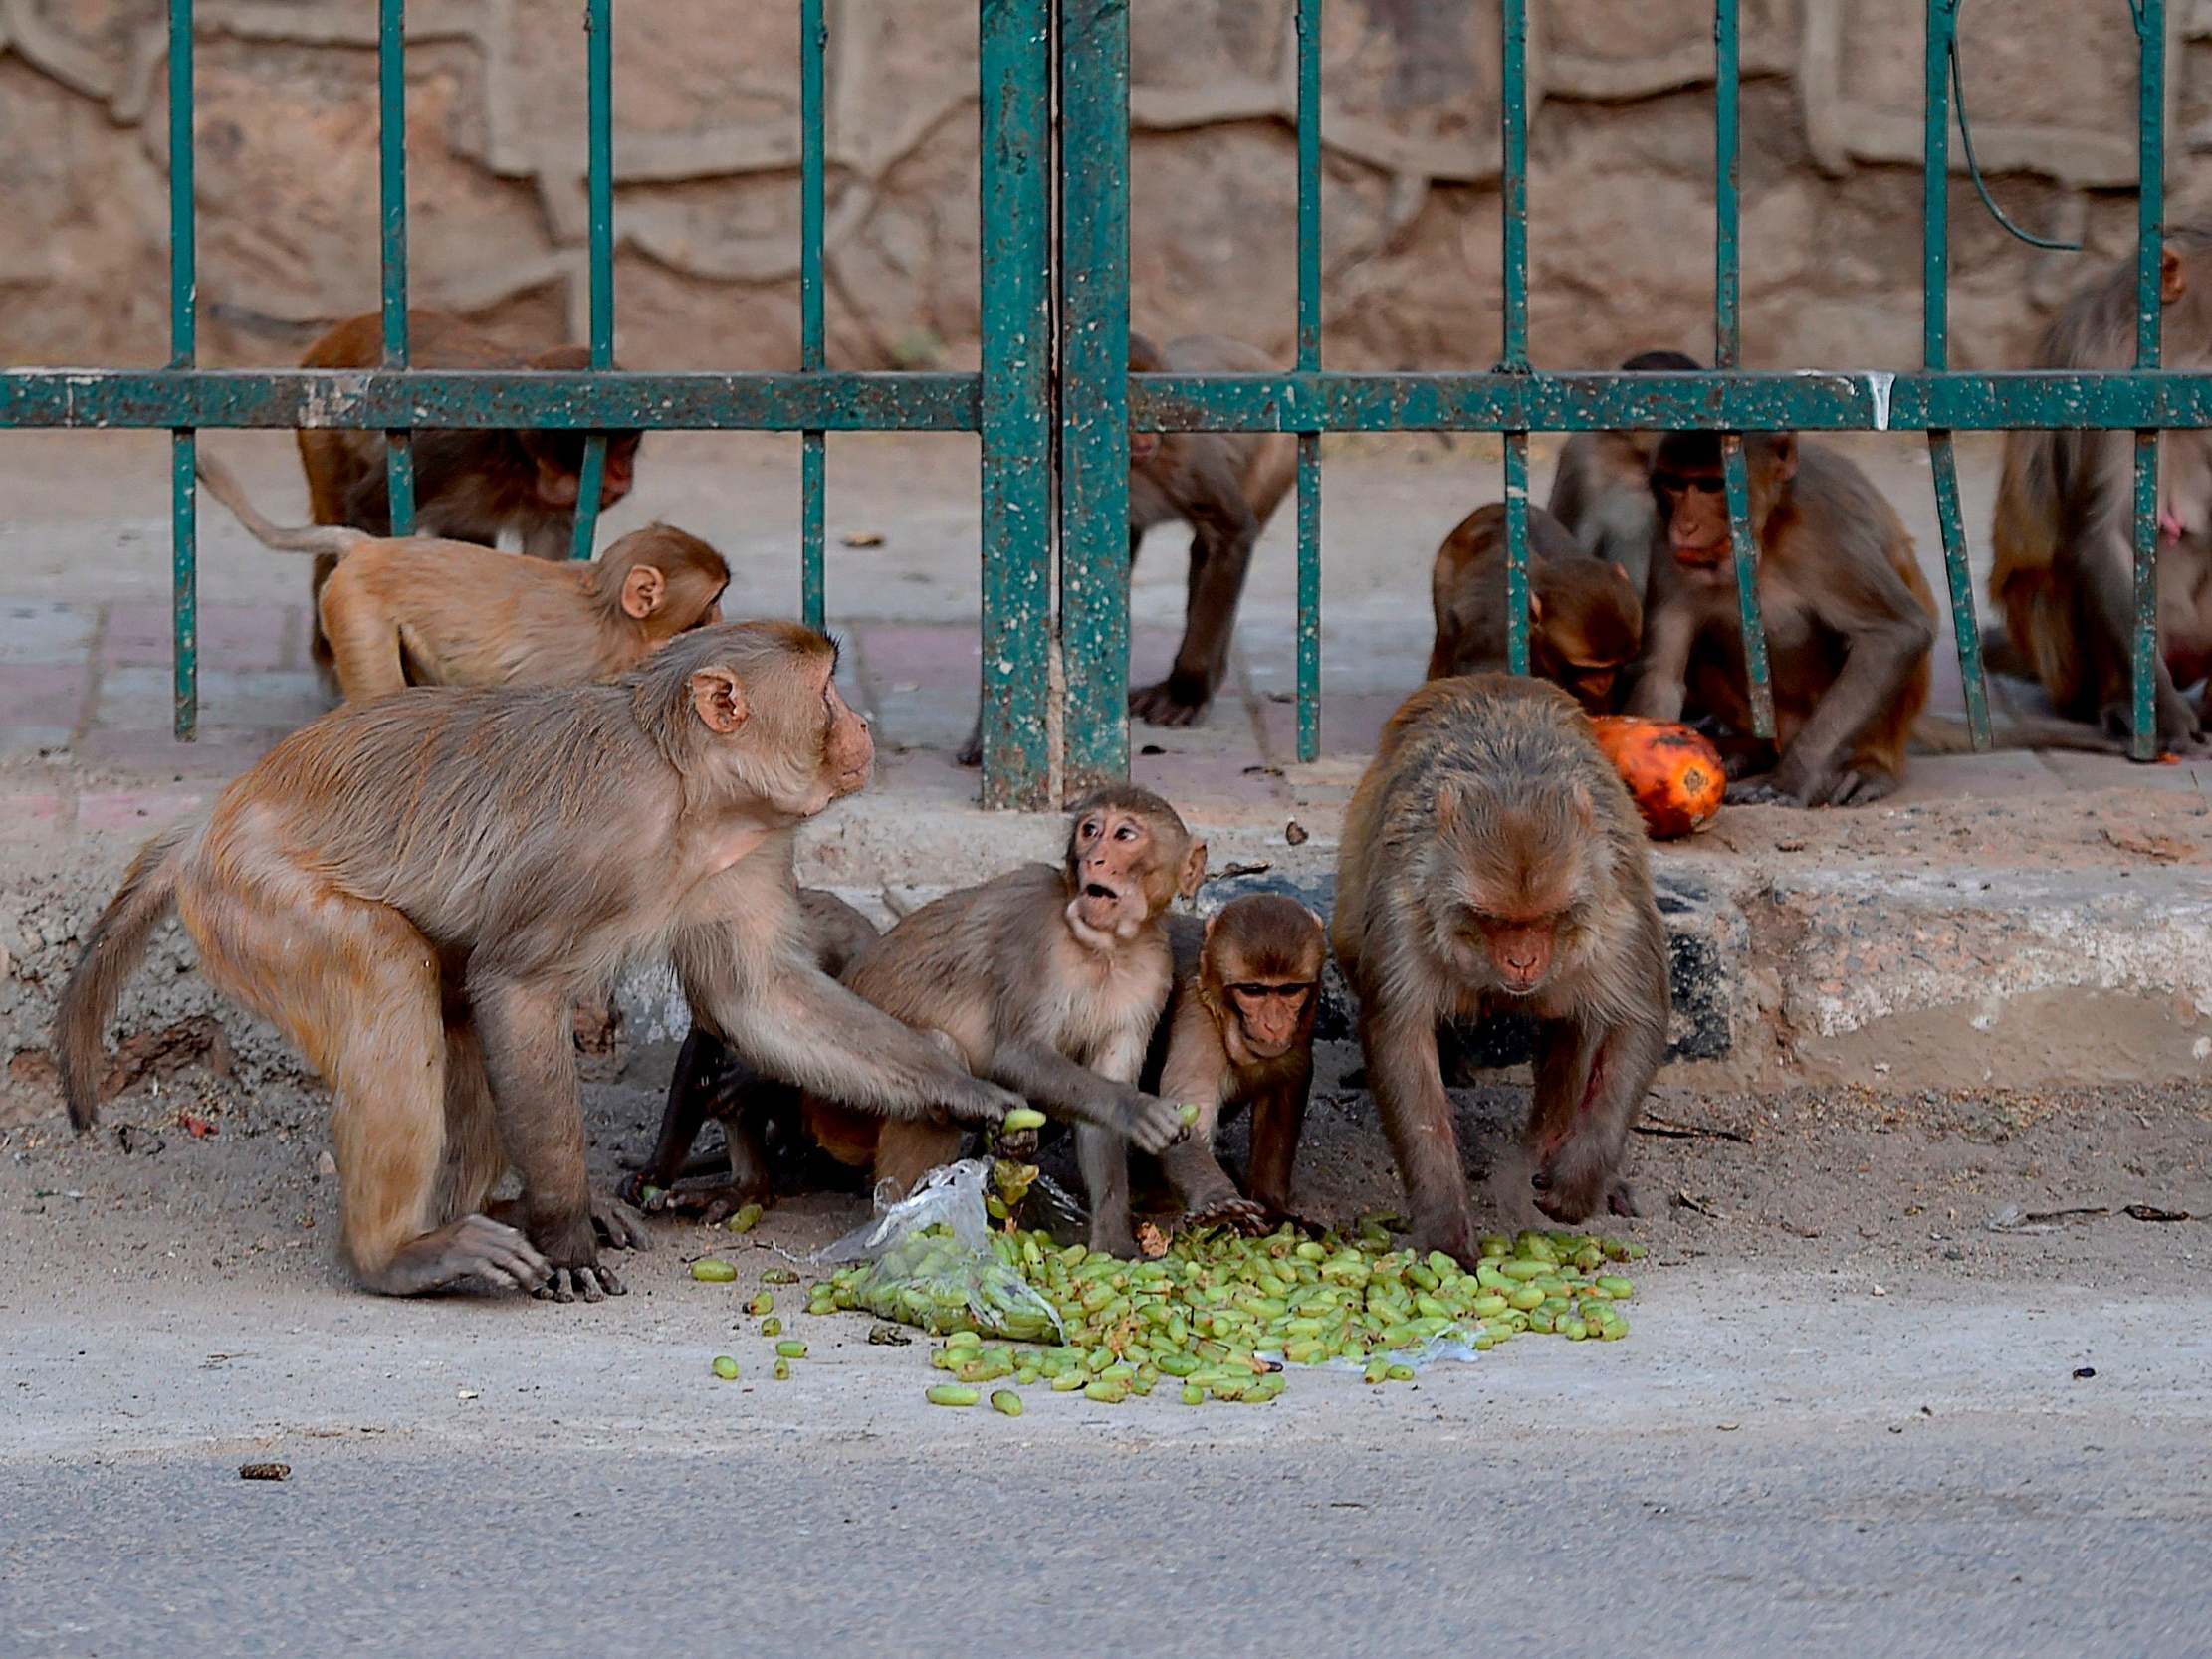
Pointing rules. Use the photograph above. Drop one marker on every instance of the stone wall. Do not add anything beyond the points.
(707, 146)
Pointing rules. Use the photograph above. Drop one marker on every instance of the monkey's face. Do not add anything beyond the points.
(1505, 910)
(791, 738)
(1112, 854)
(1268, 1017)
(1693, 506)
(1143, 446)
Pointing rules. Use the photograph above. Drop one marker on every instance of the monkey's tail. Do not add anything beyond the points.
(117, 940)
(1947, 735)
(223, 485)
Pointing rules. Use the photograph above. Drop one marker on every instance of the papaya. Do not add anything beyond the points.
(1675, 774)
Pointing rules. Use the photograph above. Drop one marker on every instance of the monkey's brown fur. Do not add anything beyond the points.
(418, 889)
(470, 485)
(1585, 619)
(2062, 537)
(410, 610)
(1493, 859)
(1600, 486)
(1239, 1031)
(1049, 979)
(1849, 620)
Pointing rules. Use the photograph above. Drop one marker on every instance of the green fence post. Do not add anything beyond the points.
(813, 457)
(1728, 354)
(2151, 214)
(184, 575)
(1094, 389)
(1309, 361)
(1513, 204)
(1942, 25)
(598, 24)
(392, 147)
(1014, 66)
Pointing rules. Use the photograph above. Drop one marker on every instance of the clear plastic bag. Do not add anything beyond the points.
(932, 1260)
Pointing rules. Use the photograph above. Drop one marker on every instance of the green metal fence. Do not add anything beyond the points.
(1053, 400)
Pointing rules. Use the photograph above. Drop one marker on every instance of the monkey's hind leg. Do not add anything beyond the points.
(357, 989)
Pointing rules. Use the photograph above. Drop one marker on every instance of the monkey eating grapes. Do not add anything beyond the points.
(1493, 861)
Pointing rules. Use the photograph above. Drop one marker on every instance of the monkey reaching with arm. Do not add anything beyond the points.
(418, 889)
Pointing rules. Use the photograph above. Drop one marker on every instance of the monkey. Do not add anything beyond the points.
(1850, 621)
(1493, 861)
(710, 1082)
(470, 484)
(2062, 542)
(1585, 620)
(1226, 485)
(1049, 979)
(1601, 488)
(1239, 1031)
(400, 611)
(416, 891)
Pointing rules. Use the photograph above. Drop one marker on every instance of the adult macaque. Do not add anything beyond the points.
(1049, 979)
(1225, 485)
(710, 1082)
(470, 484)
(1848, 619)
(1493, 861)
(2063, 541)
(418, 889)
(1585, 619)
(1601, 489)
(410, 610)
(1239, 1031)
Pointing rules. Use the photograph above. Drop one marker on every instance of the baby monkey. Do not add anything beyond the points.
(411, 610)
(1239, 1031)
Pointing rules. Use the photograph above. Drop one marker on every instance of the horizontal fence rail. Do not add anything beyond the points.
(1052, 403)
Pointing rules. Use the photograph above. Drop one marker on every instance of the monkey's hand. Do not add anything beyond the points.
(2179, 731)
(976, 1103)
(618, 1226)
(1151, 1124)
(1841, 787)
(1573, 1179)
(580, 1284)
(1178, 700)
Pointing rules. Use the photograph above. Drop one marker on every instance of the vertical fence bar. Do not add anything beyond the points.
(1513, 212)
(2150, 213)
(598, 24)
(1309, 358)
(391, 143)
(185, 602)
(1015, 67)
(1729, 351)
(391, 148)
(1094, 387)
(812, 458)
(1936, 307)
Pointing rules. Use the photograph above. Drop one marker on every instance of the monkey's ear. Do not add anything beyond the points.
(719, 696)
(1193, 870)
(1447, 807)
(1315, 917)
(1584, 808)
(2173, 281)
(643, 589)
(1205, 939)
(1535, 605)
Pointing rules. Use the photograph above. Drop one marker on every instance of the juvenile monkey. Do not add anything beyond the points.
(1601, 489)
(1493, 861)
(400, 611)
(1239, 1031)
(1848, 619)
(1585, 619)
(1226, 487)
(1049, 979)
(470, 484)
(710, 1082)
(418, 889)
(2064, 545)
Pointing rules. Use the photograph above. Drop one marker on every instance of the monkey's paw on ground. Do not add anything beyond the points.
(618, 1224)
(1849, 786)
(1167, 704)
(580, 1284)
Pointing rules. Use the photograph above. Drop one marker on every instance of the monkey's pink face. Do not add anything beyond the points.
(1112, 853)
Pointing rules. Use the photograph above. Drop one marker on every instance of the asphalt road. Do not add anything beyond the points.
(1773, 1464)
